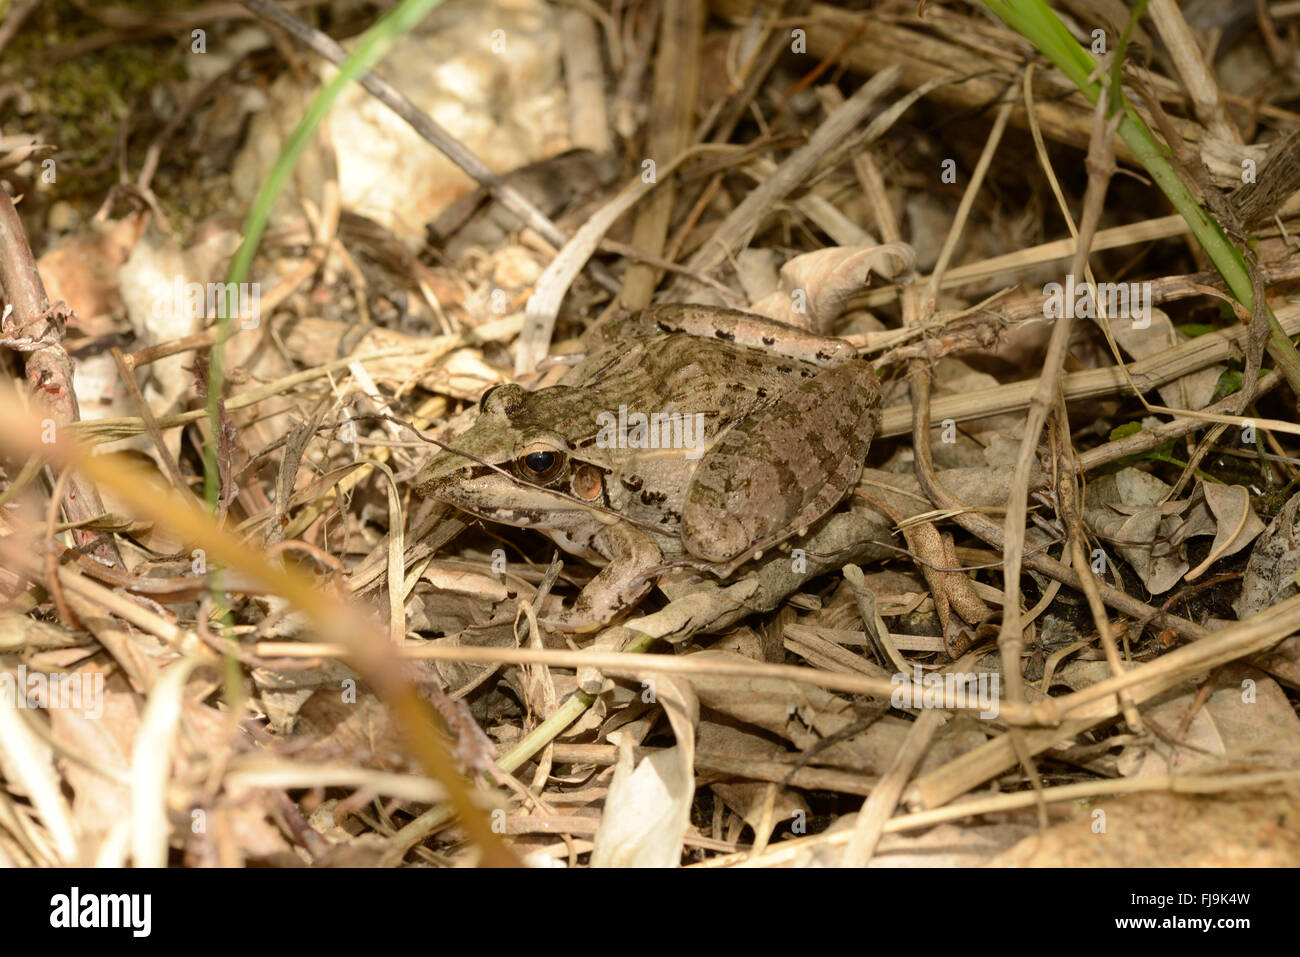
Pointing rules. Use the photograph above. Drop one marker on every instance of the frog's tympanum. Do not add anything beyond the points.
(687, 434)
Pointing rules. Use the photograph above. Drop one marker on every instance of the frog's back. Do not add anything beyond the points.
(680, 372)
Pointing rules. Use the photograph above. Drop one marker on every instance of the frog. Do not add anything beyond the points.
(687, 436)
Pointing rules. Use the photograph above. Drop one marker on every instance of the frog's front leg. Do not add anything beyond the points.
(623, 582)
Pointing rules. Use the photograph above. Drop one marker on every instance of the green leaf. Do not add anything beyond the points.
(1125, 430)
(1228, 383)
(1193, 329)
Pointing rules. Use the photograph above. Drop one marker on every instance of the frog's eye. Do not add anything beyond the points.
(539, 465)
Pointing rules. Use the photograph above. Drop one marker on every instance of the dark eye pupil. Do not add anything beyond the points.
(539, 461)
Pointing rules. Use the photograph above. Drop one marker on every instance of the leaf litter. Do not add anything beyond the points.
(230, 726)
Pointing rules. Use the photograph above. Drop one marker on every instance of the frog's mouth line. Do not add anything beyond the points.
(483, 469)
(518, 517)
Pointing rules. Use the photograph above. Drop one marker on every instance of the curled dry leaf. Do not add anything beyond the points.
(1128, 509)
(815, 288)
(14, 148)
(1238, 523)
(1125, 509)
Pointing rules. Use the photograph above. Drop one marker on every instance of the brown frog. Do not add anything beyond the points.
(688, 434)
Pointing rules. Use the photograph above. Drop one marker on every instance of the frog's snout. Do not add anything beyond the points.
(435, 473)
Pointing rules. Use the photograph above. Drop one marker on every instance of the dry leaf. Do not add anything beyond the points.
(648, 809)
(815, 287)
(1238, 523)
(1129, 509)
(1246, 718)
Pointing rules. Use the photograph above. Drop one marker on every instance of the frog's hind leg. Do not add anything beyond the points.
(746, 329)
(782, 468)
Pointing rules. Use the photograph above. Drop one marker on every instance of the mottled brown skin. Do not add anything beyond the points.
(775, 449)
(783, 441)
